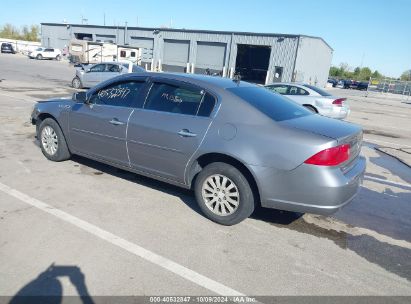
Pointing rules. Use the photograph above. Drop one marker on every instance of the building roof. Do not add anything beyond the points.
(188, 31)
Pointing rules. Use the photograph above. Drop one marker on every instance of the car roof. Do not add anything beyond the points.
(287, 83)
(199, 79)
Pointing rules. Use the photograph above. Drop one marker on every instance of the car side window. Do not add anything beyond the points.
(113, 68)
(174, 98)
(124, 94)
(207, 105)
(297, 91)
(49, 50)
(280, 89)
(98, 68)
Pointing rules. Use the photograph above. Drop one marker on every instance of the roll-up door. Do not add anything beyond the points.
(176, 52)
(210, 55)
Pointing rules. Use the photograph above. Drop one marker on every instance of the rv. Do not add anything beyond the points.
(89, 52)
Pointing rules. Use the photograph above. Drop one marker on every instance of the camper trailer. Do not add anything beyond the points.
(129, 53)
(89, 52)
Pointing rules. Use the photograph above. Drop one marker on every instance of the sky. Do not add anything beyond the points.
(373, 33)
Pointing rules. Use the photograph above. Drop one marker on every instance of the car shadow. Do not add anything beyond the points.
(185, 195)
(385, 212)
(46, 288)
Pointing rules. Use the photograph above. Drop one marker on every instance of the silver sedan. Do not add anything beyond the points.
(235, 144)
(313, 98)
(89, 76)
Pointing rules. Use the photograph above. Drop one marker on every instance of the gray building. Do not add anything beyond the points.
(257, 57)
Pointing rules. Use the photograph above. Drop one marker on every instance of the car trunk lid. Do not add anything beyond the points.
(343, 132)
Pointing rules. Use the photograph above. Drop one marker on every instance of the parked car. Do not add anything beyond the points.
(344, 84)
(363, 86)
(88, 76)
(354, 84)
(7, 48)
(45, 53)
(333, 81)
(313, 98)
(237, 145)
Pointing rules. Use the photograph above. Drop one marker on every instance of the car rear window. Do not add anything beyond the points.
(273, 105)
(318, 90)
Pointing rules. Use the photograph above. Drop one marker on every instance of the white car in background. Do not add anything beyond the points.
(88, 76)
(45, 53)
(313, 98)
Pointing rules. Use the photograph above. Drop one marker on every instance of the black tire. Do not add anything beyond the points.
(62, 152)
(311, 108)
(246, 203)
(76, 83)
(39, 57)
(58, 57)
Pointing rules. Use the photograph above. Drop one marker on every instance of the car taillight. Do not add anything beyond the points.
(330, 157)
(339, 102)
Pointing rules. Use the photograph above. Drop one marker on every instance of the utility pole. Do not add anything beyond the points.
(104, 19)
(125, 30)
(362, 60)
(83, 19)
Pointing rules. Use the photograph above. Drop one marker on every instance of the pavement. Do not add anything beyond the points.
(81, 227)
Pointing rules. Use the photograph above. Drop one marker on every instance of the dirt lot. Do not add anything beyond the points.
(109, 232)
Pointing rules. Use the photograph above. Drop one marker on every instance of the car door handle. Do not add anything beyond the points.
(116, 122)
(186, 133)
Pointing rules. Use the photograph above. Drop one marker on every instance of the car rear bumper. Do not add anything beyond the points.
(308, 188)
(335, 112)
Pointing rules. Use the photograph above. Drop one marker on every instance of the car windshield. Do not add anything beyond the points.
(318, 90)
(273, 105)
(39, 49)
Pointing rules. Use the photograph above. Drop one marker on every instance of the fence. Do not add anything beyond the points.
(390, 86)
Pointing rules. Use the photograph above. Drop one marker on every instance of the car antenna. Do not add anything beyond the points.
(237, 79)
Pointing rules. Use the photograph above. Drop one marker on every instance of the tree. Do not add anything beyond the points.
(376, 74)
(334, 71)
(11, 32)
(406, 76)
(365, 74)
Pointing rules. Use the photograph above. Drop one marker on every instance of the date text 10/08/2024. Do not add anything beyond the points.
(200, 299)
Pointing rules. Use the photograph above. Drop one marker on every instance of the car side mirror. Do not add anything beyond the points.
(80, 97)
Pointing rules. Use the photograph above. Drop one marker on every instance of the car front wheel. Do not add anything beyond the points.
(224, 194)
(76, 83)
(39, 57)
(52, 141)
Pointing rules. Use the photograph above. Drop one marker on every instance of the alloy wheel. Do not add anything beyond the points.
(220, 195)
(49, 140)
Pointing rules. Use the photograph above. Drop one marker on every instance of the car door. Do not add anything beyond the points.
(48, 53)
(98, 128)
(94, 75)
(112, 70)
(165, 133)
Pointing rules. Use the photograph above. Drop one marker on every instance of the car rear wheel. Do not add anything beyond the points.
(224, 194)
(311, 108)
(76, 83)
(39, 57)
(52, 141)
(58, 57)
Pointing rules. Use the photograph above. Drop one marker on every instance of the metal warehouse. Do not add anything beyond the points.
(257, 57)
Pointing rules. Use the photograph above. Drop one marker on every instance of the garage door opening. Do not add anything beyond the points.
(252, 62)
